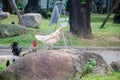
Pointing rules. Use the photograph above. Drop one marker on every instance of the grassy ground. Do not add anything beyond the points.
(113, 76)
(106, 37)
(2, 65)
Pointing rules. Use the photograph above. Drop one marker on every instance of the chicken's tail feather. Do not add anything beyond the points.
(38, 37)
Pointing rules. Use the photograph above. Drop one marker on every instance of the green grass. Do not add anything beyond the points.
(106, 37)
(3, 65)
(113, 76)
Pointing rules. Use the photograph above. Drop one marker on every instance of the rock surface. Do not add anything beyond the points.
(116, 65)
(4, 15)
(66, 64)
(8, 30)
(32, 20)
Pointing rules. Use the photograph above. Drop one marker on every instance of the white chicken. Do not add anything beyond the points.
(51, 38)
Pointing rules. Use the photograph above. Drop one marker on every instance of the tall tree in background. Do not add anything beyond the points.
(116, 17)
(14, 6)
(32, 6)
(79, 11)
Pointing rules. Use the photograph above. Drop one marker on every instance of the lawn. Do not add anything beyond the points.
(2, 65)
(113, 76)
(106, 37)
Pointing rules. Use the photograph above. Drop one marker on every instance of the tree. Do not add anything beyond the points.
(32, 6)
(79, 14)
(111, 11)
(13, 4)
(116, 17)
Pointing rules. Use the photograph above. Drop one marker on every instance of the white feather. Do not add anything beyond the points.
(51, 38)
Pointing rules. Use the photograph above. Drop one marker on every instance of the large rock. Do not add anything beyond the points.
(8, 30)
(4, 15)
(116, 65)
(32, 20)
(53, 65)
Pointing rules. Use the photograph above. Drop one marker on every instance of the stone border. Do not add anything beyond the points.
(76, 47)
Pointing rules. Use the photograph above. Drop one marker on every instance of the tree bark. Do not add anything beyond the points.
(32, 6)
(47, 6)
(116, 18)
(79, 11)
(113, 8)
(13, 4)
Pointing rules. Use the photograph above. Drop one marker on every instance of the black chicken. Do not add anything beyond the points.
(16, 49)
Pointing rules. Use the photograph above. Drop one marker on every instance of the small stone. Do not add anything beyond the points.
(4, 15)
(116, 65)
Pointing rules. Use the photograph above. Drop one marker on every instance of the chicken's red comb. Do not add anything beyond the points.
(34, 43)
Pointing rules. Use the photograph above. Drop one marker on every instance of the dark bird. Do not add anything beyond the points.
(16, 49)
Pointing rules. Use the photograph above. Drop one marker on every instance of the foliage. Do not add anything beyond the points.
(90, 65)
(21, 6)
(113, 76)
(89, 68)
(83, 1)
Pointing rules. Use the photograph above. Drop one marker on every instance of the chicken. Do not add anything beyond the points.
(16, 50)
(51, 38)
(32, 49)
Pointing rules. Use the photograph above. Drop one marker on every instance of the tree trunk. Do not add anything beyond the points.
(113, 8)
(13, 4)
(79, 11)
(47, 6)
(116, 17)
(32, 6)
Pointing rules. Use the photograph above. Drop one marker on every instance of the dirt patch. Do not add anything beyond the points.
(113, 38)
(1, 60)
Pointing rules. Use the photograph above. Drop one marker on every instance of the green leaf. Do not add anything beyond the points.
(83, 1)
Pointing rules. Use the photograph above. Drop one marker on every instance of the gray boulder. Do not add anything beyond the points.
(4, 15)
(8, 30)
(116, 65)
(32, 20)
(53, 65)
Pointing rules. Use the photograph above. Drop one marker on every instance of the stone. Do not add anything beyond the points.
(4, 15)
(65, 64)
(32, 20)
(9, 30)
(116, 65)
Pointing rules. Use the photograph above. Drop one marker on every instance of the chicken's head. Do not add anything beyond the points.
(60, 29)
